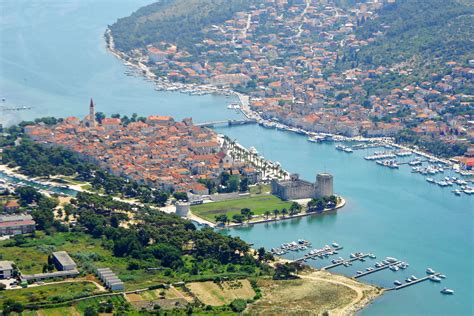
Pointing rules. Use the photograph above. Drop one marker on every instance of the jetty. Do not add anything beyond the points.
(362, 256)
(322, 252)
(385, 266)
(399, 287)
(16, 108)
(227, 122)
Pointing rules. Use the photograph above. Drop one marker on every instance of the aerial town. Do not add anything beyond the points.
(288, 65)
(159, 152)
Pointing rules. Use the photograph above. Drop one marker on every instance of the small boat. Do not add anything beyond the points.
(442, 276)
(414, 278)
(359, 272)
(394, 268)
(408, 280)
(435, 278)
(430, 271)
(378, 264)
(447, 291)
(335, 245)
(372, 256)
(430, 180)
(397, 283)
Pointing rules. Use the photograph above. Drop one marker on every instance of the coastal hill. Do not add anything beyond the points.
(418, 34)
(378, 69)
(170, 20)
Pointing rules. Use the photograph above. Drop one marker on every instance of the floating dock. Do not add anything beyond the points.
(376, 269)
(345, 261)
(318, 254)
(413, 282)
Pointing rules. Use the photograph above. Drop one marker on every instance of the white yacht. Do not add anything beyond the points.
(447, 291)
(430, 271)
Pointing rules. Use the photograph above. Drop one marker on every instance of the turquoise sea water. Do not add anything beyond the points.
(52, 57)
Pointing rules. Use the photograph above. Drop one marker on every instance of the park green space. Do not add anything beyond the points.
(257, 203)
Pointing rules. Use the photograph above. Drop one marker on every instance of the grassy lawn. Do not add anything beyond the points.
(214, 294)
(258, 204)
(260, 189)
(300, 297)
(48, 293)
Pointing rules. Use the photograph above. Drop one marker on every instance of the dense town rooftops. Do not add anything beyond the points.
(159, 151)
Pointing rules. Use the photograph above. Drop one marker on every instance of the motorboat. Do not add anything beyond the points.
(397, 283)
(394, 268)
(430, 271)
(435, 278)
(335, 245)
(447, 291)
(414, 278)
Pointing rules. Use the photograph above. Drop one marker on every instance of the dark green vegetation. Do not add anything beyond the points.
(422, 35)
(173, 21)
(431, 145)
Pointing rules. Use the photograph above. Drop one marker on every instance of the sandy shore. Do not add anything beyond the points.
(365, 293)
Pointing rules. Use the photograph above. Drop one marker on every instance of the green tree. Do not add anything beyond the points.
(223, 218)
(238, 218)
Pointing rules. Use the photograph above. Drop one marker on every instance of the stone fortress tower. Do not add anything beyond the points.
(182, 208)
(296, 188)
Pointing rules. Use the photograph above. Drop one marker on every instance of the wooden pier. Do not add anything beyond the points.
(345, 261)
(399, 287)
(376, 269)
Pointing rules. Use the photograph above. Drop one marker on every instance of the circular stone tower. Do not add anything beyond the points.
(324, 182)
(182, 208)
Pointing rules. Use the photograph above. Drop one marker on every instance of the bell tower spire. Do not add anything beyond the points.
(92, 113)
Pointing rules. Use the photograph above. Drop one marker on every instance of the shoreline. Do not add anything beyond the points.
(201, 220)
(245, 109)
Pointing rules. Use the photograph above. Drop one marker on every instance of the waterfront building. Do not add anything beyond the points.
(16, 224)
(296, 188)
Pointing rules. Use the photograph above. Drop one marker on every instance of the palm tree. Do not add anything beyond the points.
(276, 212)
(267, 214)
(284, 212)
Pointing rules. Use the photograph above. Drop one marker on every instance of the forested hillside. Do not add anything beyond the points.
(418, 33)
(175, 21)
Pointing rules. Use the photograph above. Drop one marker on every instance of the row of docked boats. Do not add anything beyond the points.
(323, 252)
(284, 248)
(390, 163)
(346, 149)
(431, 169)
(449, 182)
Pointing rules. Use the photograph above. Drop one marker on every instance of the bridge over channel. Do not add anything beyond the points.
(227, 122)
